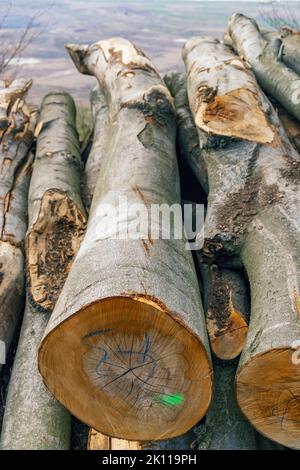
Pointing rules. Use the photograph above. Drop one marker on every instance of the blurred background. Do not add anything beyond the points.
(33, 33)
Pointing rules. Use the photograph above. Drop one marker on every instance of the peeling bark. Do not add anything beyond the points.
(97, 152)
(142, 382)
(265, 60)
(56, 212)
(17, 124)
(33, 419)
(253, 213)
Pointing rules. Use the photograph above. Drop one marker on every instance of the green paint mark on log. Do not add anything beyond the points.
(170, 400)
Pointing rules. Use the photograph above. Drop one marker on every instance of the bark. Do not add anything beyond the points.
(253, 213)
(56, 212)
(16, 136)
(97, 152)
(265, 60)
(187, 135)
(225, 428)
(33, 419)
(225, 301)
(289, 41)
(142, 383)
(291, 127)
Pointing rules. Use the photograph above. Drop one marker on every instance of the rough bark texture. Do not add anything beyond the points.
(33, 419)
(56, 212)
(253, 213)
(226, 297)
(16, 136)
(141, 383)
(265, 60)
(225, 428)
(97, 153)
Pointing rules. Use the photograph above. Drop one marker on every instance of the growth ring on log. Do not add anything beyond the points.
(141, 368)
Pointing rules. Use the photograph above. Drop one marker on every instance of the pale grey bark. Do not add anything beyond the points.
(33, 419)
(56, 212)
(140, 163)
(253, 213)
(187, 135)
(16, 136)
(225, 428)
(265, 60)
(289, 41)
(97, 153)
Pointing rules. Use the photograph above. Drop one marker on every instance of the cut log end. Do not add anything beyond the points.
(268, 393)
(228, 342)
(236, 114)
(130, 372)
(51, 244)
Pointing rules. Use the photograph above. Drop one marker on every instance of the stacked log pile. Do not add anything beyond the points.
(126, 332)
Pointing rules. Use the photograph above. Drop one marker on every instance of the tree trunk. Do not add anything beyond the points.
(225, 290)
(135, 320)
(253, 213)
(187, 135)
(96, 155)
(290, 49)
(33, 419)
(17, 124)
(225, 428)
(291, 127)
(227, 309)
(265, 60)
(56, 212)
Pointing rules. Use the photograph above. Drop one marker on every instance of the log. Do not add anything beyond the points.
(56, 211)
(291, 127)
(265, 60)
(135, 320)
(33, 419)
(226, 294)
(290, 46)
(253, 215)
(227, 309)
(225, 428)
(187, 135)
(16, 137)
(96, 155)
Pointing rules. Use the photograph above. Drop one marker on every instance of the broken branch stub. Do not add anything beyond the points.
(253, 214)
(56, 212)
(118, 348)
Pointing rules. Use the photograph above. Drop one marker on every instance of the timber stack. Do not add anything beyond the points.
(122, 327)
